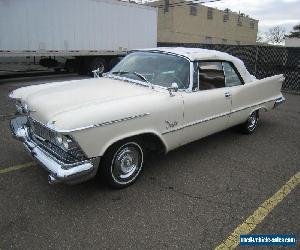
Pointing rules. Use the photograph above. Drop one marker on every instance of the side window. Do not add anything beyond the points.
(211, 75)
(231, 77)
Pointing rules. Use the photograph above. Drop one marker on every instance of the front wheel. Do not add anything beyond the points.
(122, 163)
(251, 124)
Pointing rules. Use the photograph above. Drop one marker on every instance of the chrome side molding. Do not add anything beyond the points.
(100, 124)
(278, 101)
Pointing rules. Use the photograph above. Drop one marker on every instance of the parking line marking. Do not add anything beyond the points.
(17, 167)
(259, 215)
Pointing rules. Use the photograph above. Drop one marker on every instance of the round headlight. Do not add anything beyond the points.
(66, 144)
(59, 139)
(25, 108)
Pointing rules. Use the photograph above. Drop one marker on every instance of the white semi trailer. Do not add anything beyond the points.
(81, 35)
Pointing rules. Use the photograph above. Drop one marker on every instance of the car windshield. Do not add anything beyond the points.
(155, 68)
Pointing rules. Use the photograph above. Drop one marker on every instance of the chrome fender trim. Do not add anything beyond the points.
(99, 124)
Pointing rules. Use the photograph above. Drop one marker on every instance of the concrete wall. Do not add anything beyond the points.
(179, 26)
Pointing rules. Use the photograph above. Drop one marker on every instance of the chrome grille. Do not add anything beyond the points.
(57, 152)
(41, 131)
(46, 139)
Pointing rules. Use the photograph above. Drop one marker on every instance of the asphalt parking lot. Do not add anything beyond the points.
(193, 198)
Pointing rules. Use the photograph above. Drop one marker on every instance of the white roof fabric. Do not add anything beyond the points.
(195, 54)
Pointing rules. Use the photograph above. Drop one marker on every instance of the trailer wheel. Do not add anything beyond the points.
(70, 66)
(97, 63)
(81, 66)
(114, 61)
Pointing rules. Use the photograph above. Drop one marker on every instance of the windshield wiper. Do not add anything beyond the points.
(135, 73)
(141, 76)
(120, 72)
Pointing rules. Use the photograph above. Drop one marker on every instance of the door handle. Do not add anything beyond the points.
(227, 94)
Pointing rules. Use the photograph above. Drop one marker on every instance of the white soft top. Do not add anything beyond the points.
(195, 54)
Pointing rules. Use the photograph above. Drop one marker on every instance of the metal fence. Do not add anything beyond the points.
(261, 61)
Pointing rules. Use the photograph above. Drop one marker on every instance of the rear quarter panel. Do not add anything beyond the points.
(259, 94)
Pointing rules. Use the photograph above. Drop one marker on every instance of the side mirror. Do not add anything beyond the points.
(173, 88)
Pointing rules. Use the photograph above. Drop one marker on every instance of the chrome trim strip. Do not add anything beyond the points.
(197, 122)
(250, 106)
(102, 124)
(161, 52)
(215, 117)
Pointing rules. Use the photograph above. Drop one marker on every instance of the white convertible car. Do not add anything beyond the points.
(158, 98)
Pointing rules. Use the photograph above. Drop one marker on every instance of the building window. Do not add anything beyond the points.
(238, 42)
(240, 20)
(210, 13)
(208, 40)
(193, 10)
(224, 41)
(226, 15)
(225, 18)
(252, 24)
(166, 8)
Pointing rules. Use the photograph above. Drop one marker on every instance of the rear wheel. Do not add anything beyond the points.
(251, 124)
(122, 163)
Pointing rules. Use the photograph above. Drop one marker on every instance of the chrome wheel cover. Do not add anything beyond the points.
(127, 163)
(252, 121)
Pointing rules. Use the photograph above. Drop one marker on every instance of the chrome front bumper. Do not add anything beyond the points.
(279, 101)
(59, 171)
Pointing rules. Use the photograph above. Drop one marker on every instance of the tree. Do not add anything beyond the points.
(295, 32)
(276, 35)
(259, 38)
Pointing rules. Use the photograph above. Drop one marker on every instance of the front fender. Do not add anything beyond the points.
(94, 141)
(134, 134)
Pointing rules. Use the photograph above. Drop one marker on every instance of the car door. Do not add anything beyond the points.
(235, 84)
(207, 107)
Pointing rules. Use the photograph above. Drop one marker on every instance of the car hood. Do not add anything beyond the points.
(47, 101)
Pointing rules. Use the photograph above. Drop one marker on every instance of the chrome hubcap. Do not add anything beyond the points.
(252, 120)
(126, 163)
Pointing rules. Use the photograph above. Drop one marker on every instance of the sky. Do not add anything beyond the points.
(285, 13)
